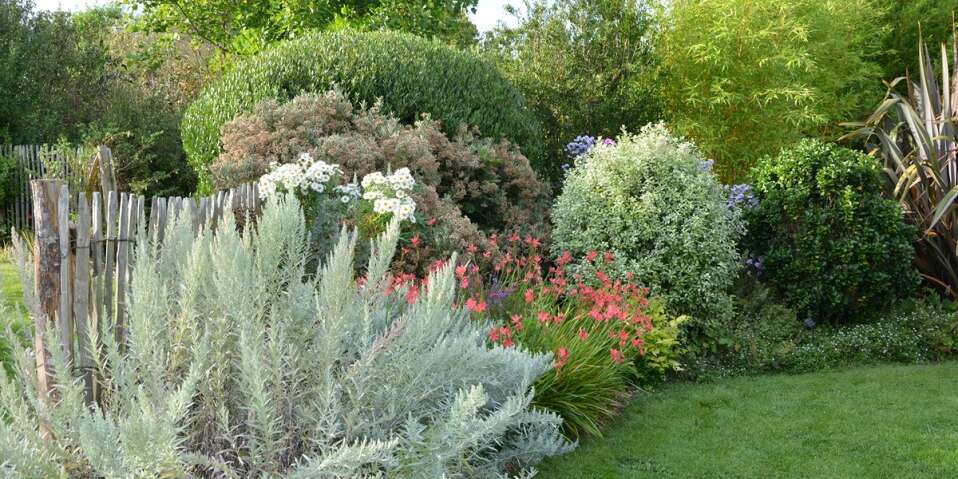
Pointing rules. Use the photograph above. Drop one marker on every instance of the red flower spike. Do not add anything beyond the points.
(530, 296)
(617, 356)
(562, 356)
(591, 256)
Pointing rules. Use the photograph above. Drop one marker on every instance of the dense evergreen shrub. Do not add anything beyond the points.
(239, 364)
(651, 201)
(831, 244)
(410, 75)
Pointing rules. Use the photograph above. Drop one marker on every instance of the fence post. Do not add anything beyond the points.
(47, 277)
(65, 318)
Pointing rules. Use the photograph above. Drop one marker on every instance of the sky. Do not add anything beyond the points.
(488, 12)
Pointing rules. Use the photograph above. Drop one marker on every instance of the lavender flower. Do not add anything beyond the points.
(580, 146)
(741, 196)
(707, 165)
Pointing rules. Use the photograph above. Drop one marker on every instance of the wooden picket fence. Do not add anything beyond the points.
(83, 251)
(67, 163)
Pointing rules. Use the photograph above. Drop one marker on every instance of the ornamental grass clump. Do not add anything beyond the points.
(240, 363)
(652, 202)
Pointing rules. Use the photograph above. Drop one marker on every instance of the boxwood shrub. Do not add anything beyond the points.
(410, 74)
(831, 245)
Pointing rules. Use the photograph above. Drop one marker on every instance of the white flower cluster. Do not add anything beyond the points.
(306, 174)
(390, 194)
(348, 192)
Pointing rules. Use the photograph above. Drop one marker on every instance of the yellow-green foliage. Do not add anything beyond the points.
(743, 78)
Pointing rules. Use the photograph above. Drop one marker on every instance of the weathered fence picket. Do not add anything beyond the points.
(73, 165)
(83, 256)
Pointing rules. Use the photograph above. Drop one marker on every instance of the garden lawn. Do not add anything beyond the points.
(10, 293)
(875, 422)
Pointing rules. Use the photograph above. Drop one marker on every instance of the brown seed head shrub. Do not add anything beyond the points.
(469, 185)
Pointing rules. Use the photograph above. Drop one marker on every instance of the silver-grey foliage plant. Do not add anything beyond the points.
(239, 364)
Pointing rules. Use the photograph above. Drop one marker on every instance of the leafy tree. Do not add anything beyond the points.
(248, 27)
(585, 67)
(911, 21)
(51, 72)
(744, 78)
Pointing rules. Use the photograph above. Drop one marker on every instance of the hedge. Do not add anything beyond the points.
(410, 74)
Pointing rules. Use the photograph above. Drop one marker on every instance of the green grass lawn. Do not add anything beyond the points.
(10, 293)
(10, 301)
(870, 422)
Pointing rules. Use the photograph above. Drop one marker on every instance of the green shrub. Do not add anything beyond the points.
(764, 331)
(463, 182)
(410, 75)
(239, 365)
(584, 66)
(651, 201)
(745, 78)
(831, 244)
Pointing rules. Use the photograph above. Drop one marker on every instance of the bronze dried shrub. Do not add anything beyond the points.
(469, 185)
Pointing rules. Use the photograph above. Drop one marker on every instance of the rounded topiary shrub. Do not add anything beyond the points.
(830, 243)
(465, 185)
(411, 76)
(651, 200)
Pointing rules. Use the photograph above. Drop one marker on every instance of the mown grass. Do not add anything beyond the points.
(876, 422)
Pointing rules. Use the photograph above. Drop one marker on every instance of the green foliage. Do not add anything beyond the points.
(650, 200)
(248, 27)
(8, 171)
(606, 336)
(52, 73)
(584, 66)
(743, 79)
(237, 363)
(410, 75)
(911, 22)
(832, 245)
(916, 137)
(915, 331)
(764, 331)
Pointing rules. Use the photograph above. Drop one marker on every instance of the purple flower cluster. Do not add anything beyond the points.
(741, 196)
(755, 264)
(707, 165)
(580, 146)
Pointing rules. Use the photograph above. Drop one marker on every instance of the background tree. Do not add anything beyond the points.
(744, 78)
(248, 27)
(585, 67)
(910, 22)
